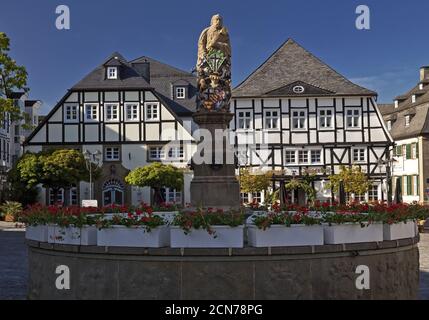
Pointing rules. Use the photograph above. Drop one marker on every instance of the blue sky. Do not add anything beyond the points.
(385, 58)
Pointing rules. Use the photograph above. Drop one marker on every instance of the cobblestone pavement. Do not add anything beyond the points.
(13, 265)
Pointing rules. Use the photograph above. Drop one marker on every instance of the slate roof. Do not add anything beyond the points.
(418, 112)
(291, 63)
(162, 77)
(16, 95)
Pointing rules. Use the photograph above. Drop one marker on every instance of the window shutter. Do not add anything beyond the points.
(409, 185)
(408, 151)
(399, 150)
(417, 150)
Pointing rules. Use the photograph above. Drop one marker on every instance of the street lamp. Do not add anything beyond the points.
(91, 157)
(389, 168)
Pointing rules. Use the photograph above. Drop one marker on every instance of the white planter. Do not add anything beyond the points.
(167, 216)
(353, 233)
(399, 230)
(86, 236)
(121, 236)
(282, 236)
(226, 237)
(37, 233)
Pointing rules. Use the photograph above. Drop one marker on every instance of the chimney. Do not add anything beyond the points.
(424, 73)
(143, 68)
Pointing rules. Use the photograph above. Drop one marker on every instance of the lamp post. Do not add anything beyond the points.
(91, 157)
(389, 167)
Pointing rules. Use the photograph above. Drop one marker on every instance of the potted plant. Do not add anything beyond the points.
(351, 226)
(207, 229)
(72, 226)
(135, 230)
(285, 229)
(10, 210)
(400, 220)
(36, 217)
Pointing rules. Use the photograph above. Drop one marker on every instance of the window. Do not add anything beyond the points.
(290, 156)
(316, 156)
(303, 156)
(91, 113)
(131, 111)
(112, 113)
(408, 151)
(257, 197)
(244, 197)
(373, 193)
(58, 200)
(359, 197)
(353, 118)
(151, 111)
(413, 98)
(175, 153)
(396, 104)
(389, 125)
(414, 151)
(180, 92)
(359, 155)
(298, 89)
(71, 112)
(156, 153)
(407, 121)
(271, 119)
(299, 120)
(112, 154)
(244, 120)
(172, 195)
(112, 73)
(325, 118)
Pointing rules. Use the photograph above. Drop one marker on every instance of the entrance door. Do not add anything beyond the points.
(113, 193)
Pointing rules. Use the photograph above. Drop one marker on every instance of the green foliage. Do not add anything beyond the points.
(12, 77)
(254, 182)
(156, 175)
(303, 185)
(354, 180)
(10, 207)
(18, 189)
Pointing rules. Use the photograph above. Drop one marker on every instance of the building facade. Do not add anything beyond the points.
(305, 118)
(294, 115)
(408, 122)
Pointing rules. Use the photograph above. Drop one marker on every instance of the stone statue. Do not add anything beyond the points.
(214, 67)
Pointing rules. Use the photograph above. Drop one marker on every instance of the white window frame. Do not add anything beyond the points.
(306, 153)
(389, 125)
(112, 73)
(150, 106)
(372, 188)
(180, 93)
(407, 120)
(129, 106)
(160, 153)
(354, 125)
(413, 98)
(310, 156)
(245, 117)
(271, 122)
(396, 104)
(112, 152)
(173, 194)
(292, 152)
(71, 106)
(323, 119)
(359, 154)
(113, 106)
(92, 105)
(296, 115)
(60, 196)
(176, 153)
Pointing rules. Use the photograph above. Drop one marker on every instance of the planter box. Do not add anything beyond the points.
(399, 230)
(86, 236)
(167, 216)
(353, 233)
(226, 237)
(121, 236)
(282, 236)
(37, 233)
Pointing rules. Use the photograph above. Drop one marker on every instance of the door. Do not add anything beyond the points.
(113, 193)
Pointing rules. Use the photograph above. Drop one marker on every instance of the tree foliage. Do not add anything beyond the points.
(303, 185)
(250, 183)
(12, 77)
(354, 180)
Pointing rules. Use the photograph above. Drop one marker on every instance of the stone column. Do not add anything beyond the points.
(215, 183)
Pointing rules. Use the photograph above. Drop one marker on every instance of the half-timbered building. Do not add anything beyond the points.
(296, 115)
(126, 111)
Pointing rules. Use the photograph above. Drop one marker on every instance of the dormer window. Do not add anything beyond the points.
(389, 125)
(396, 104)
(407, 121)
(180, 92)
(421, 86)
(112, 73)
(413, 98)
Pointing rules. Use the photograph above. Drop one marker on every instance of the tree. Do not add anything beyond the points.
(12, 77)
(157, 176)
(18, 190)
(354, 180)
(250, 183)
(59, 169)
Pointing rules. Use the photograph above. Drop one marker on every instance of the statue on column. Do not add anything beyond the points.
(214, 68)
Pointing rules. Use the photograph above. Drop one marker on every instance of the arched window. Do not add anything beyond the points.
(113, 192)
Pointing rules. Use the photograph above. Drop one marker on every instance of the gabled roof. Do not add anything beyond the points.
(129, 77)
(31, 103)
(291, 63)
(16, 95)
(289, 90)
(162, 79)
